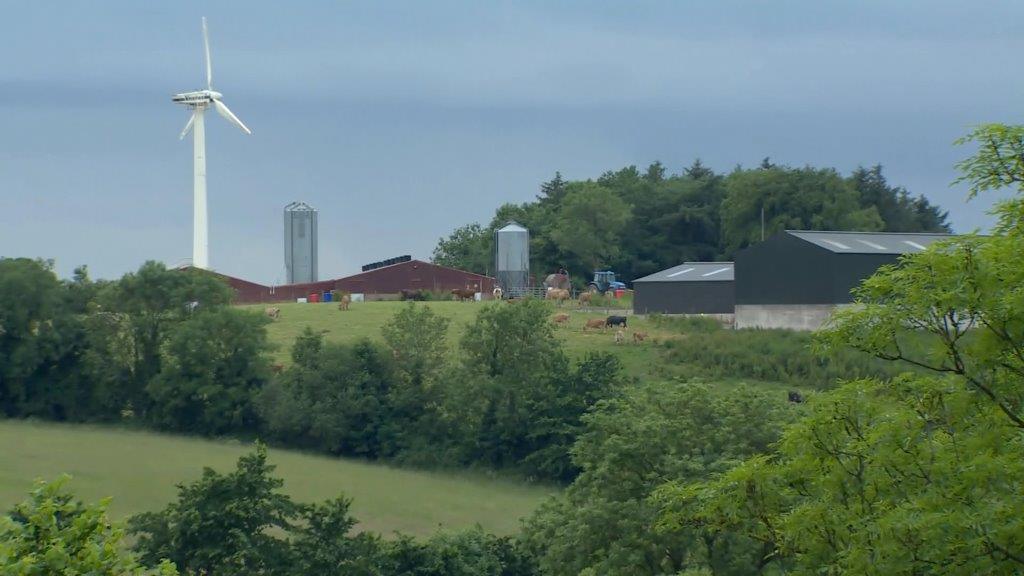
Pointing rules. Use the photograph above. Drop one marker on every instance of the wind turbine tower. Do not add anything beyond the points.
(198, 101)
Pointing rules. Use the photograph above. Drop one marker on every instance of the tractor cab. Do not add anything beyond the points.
(605, 281)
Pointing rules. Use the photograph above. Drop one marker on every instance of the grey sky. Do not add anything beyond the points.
(401, 121)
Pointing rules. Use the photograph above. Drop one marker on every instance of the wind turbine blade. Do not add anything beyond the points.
(188, 126)
(226, 113)
(206, 45)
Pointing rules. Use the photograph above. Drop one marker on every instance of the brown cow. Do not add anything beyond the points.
(344, 301)
(585, 298)
(463, 294)
(561, 318)
(595, 323)
(273, 312)
(559, 295)
(638, 337)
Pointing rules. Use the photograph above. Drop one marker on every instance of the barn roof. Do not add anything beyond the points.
(869, 242)
(415, 264)
(693, 272)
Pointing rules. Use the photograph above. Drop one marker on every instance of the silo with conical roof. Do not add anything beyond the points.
(512, 258)
(300, 243)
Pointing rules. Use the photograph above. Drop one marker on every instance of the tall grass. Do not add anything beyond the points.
(705, 350)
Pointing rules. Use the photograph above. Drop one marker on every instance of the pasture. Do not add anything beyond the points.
(364, 320)
(140, 470)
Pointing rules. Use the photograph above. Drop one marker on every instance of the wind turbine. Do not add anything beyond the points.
(199, 101)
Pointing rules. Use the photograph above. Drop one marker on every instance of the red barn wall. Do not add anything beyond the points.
(413, 275)
(388, 280)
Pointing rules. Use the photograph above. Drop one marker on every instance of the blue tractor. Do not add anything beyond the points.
(604, 281)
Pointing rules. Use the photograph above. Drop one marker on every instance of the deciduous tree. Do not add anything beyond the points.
(53, 533)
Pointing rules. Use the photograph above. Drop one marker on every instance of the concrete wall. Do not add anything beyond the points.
(790, 316)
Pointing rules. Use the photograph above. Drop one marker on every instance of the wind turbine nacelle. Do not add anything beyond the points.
(197, 98)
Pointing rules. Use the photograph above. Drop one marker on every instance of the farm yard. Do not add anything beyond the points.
(139, 471)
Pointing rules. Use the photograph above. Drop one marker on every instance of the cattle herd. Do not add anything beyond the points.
(620, 323)
(558, 295)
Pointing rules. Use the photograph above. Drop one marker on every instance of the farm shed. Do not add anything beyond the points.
(795, 279)
(380, 283)
(690, 288)
(387, 281)
(247, 292)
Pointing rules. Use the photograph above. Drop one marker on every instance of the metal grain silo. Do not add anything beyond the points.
(300, 243)
(512, 258)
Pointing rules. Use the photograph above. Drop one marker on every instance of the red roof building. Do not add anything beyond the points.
(381, 283)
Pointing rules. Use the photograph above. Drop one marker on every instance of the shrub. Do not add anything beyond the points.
(769, 355)
(53, 533)
(213, 367)
(685, 324)
(334, 398)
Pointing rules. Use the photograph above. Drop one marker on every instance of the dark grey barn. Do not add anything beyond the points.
(795, 279)
(690, 288)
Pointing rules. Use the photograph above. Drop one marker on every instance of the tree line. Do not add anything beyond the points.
(163, 349)
(638, 222)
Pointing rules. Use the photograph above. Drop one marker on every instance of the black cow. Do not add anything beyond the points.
(615, 321)
(413, 295)
(795, 397)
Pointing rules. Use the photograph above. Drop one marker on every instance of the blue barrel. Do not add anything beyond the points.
(327, 296)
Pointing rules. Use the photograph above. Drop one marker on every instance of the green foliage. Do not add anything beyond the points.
(41, 344)
(512, 342)
(516, 402)
(999, 160)
(323, 543)
(333, 398)
(213, 366)
(52, 533)
(222, 523)
(637, 223)
(416, 336)
(686, 324)
(469, 553)
(913, 475)
(589, 224)
(785, 356)
(792, 199)
(134, 318)
(513, 402)
(468, 248)
(605, 521)
(918, 474)
(899, 210)
(240, 523)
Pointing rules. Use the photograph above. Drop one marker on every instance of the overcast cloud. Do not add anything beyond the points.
(402, 121)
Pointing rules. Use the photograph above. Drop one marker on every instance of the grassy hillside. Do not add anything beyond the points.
(364, 319)
(139, 470)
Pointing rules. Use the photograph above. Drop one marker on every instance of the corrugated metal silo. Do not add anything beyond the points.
(512, 258)
(300, 243)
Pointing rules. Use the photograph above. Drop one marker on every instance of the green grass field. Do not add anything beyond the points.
(364, 320)
(140, 470)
